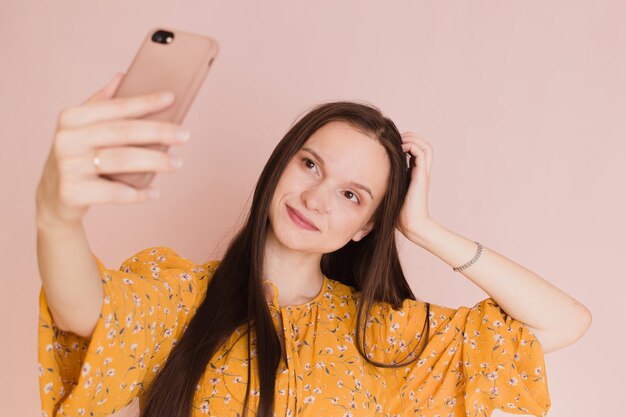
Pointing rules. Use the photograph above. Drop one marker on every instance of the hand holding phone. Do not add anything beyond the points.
(70, 182)
(129, 128)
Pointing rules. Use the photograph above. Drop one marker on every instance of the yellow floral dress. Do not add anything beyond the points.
(476, 360)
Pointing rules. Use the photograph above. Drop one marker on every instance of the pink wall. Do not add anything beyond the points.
(523, 104)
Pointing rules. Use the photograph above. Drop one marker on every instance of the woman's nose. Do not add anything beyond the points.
(316, 200)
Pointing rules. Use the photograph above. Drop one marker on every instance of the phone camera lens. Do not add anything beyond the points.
(163, 36)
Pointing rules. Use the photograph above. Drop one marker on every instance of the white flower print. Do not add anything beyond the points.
(86, 369)
(108, 320)
(402, 345)
(492, 376)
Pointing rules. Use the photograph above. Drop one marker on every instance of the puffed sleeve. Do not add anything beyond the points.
(147, 304)
(474, 360)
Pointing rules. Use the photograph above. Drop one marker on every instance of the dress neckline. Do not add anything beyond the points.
(314, 300)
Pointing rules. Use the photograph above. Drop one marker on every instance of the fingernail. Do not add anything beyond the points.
(166, 97)
(176, 162)
(183, 134)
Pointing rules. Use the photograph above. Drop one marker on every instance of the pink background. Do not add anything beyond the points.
(522, 101)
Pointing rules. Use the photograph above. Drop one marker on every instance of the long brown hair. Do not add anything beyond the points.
(235, 295)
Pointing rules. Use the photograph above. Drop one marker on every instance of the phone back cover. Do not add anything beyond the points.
(179, 66)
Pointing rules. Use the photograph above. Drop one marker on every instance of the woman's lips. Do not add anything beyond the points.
(299, 220)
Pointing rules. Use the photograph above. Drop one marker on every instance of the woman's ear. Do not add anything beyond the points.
(363, 232)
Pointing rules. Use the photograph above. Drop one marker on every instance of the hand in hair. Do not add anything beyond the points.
(414, 219)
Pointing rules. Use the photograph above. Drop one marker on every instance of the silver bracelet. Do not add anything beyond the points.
(476, 256)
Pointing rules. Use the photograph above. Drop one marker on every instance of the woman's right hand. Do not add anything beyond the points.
(70, 182)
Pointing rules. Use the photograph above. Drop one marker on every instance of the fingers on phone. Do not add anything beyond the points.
(124, 132)
(129, 159)
(115, 108)
(137, 106)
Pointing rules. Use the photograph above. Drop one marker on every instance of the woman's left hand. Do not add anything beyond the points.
(414, 219)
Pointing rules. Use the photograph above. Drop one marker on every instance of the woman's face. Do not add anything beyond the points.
(324, 189)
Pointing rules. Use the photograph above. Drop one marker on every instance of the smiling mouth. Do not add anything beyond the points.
(299, 221)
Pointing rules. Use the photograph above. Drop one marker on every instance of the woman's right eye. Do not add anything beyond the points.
(307, 159)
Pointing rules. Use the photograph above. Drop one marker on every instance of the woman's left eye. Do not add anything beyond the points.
(357, 198)
(307, 159)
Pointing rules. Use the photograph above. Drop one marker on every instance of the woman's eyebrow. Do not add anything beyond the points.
(353, 183)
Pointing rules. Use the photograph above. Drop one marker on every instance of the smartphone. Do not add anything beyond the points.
(166, 60)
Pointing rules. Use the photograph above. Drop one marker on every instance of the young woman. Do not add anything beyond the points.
(308, 312)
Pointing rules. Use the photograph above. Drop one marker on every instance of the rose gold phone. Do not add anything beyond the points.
(167, 60)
